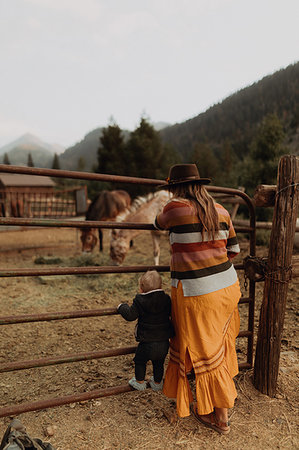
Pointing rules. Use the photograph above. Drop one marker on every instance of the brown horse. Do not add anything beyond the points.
(143, 209)
(106, 206)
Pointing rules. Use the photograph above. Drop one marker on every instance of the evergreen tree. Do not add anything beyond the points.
(56, 164)
(111, 150)
(111, 154)
(267, 145)
(81, 164)
(142, 156)
(146, 155)
(6, 159)
(260, 167)
(30, 162)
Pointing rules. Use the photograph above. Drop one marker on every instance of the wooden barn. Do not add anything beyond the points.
(35, 196)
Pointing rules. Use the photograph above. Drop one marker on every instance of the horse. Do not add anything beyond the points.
(143, 209)
(106, 206)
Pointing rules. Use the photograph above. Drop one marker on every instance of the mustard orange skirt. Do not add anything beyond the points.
(206, 327)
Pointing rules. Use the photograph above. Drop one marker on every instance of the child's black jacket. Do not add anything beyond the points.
(152, 309)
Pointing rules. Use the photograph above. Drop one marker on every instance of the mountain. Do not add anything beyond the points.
(41, 158)
(234, 121)
(42, 153)
(83, 155)
(160, 125)
(86, 150)
(28, 140)
(236, 118)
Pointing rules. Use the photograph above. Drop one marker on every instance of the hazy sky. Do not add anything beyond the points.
(67, 66)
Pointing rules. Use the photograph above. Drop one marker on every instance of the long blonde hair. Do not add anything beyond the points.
(203, 203)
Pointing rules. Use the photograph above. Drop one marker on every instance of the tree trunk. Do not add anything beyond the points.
(277, 277)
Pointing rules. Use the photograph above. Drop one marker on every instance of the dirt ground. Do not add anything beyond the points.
(132, 420)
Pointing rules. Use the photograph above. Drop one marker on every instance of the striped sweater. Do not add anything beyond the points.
(202, 265)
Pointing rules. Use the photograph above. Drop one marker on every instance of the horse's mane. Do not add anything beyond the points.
(137, 203)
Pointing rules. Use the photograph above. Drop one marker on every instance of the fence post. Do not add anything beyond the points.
(277, 277)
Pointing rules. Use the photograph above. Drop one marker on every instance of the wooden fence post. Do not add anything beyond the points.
(277, 277)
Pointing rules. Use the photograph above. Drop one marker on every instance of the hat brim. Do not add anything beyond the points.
(176, 183)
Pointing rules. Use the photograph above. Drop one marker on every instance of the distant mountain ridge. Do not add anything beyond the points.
(234, 121)
(69, 159)
(87, 149)
(236, 118)
(27, 140)
(41, 152)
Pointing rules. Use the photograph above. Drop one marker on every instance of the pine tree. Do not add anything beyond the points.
(260, 167)
(147, 157)
(55, 164)
(111, 157)
(81, 164)
(30, 162)
(142, 156)
(6, 159)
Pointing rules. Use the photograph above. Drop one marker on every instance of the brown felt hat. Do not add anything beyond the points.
(183, 173)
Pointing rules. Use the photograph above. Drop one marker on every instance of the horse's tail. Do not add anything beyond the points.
(91, 208)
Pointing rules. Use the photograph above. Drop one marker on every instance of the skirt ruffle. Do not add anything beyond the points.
(215, 387)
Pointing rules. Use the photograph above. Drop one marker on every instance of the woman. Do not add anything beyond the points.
(205, 293)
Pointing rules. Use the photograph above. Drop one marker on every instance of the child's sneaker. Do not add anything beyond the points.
(139, 386)
(155, 386)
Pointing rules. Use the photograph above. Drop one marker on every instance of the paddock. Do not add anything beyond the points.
(67, 286)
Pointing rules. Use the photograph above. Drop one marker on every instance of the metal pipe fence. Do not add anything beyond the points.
(66, 315)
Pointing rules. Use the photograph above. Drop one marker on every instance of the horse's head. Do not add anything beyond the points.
(119, 247)
(88, 239)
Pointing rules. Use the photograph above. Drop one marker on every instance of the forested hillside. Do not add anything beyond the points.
(83, 155)
(226, 128)
(237, 142)
(235, 120)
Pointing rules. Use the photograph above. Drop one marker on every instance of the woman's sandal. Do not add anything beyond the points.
(211, 422)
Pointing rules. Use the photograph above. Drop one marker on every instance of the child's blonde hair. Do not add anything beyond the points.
(150, 281)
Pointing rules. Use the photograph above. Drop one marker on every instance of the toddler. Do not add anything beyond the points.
(152, 307)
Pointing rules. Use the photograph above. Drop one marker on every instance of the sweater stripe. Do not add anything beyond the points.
(189, 238)
(200, 263)
(206, 285)
(200, 273)
(193, 227)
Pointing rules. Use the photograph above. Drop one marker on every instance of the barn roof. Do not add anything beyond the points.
(14, 179)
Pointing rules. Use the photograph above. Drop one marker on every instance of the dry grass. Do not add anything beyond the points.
(133, 420)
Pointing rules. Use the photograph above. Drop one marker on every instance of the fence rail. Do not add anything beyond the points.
(10, 320)
(33, 204)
